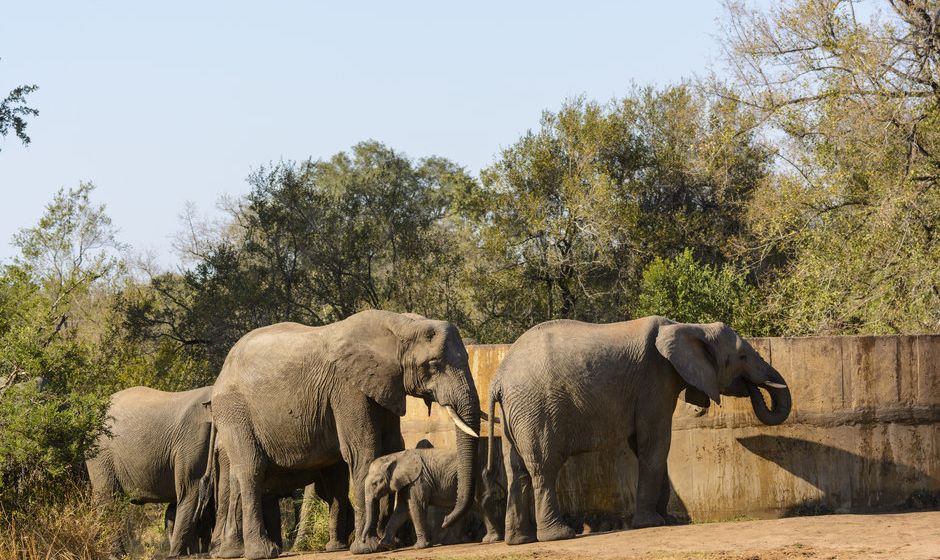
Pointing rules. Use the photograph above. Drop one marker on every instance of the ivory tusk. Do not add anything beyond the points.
(775, 385)
(460, 423)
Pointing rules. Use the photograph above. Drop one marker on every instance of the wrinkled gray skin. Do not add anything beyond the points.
(568, 387)
(292, 400)
(158, 453)
(423, 478)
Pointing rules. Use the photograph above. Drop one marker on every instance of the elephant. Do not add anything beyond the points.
(157, 452)
(292, 399)
(567, 387)
(426, 477)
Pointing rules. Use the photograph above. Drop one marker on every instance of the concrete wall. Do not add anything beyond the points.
(864, 435)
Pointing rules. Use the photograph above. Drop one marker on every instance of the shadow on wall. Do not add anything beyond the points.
(846, 481)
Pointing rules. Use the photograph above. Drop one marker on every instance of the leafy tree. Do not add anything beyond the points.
(569, 215)
(14, 111)
(52, 395)
(312, 242)
(853, 212)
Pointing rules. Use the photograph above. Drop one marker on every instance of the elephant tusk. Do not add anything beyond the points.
(460, 423)
(774, 385)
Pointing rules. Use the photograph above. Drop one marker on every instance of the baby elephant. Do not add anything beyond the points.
(428, 477)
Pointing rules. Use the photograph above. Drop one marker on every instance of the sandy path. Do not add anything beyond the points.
(904, 536)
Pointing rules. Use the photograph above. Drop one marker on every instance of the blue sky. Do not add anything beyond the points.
(176, 102)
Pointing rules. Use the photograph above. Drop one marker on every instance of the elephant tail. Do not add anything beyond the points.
(495, 395)
(208, 482)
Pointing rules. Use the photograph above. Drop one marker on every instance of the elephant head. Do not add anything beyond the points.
(388, 355)
(715, 360)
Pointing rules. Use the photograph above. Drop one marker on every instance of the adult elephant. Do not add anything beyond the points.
(292, 399)
(157, 452)
(567, 387)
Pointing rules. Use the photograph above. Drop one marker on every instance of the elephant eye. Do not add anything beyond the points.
(743, 357)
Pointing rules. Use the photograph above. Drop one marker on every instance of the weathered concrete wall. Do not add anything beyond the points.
(864, 435)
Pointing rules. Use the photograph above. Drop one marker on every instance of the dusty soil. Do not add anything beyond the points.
(903, 536)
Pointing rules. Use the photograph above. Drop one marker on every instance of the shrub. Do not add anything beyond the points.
(688, 291)
(45, 438)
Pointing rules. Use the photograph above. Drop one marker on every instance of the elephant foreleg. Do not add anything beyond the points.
(397, 519)
(652, 442)
(360, 438)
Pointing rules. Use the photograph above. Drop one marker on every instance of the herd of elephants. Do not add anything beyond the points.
(295, 405)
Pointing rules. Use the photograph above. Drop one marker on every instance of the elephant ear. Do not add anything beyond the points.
(687, 349)
(372, 367)
(405, 471)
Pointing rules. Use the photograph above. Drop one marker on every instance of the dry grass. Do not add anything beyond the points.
(76, 530)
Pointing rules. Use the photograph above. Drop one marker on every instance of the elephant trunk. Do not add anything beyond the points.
(467, 407)
(779, 396)
(371, 517)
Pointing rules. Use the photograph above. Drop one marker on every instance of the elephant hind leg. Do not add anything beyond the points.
(519, 528)
(247, 464)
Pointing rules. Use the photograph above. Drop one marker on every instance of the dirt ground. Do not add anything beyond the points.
(903, 536)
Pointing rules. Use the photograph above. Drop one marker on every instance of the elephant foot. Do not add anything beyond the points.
(368, 546)
(491, 538)
(519, 539)
(422, 543)
(644, 520)
(557, 532)
(261, 548)
(335, 546)
(227, 550)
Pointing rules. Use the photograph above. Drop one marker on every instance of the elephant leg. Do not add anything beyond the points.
(418, 508)
(395, 522)
(232, 545)
(489, 504)
(169, 520)
(247, 464)
(519, 528)
(221, 505)
(652, 442)
(182, 540)
(551, 527)
(360, 436)
(271, 508)
(333, 488)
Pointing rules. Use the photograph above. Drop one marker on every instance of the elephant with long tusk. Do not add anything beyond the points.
(567, 387)
(292, 400)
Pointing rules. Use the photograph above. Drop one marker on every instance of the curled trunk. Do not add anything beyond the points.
(780, 401)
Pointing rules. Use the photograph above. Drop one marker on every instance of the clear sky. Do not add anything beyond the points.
(174, 102)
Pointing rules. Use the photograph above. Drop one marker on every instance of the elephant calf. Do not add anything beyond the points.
(157, 452)
(428, 477)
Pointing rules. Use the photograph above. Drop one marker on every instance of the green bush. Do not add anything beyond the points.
(45, 438)
(688, 291)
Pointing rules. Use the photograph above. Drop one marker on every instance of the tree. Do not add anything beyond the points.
(14, 111)
(54, 384)
(312, 242)
(569, 215)
(851, 218)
